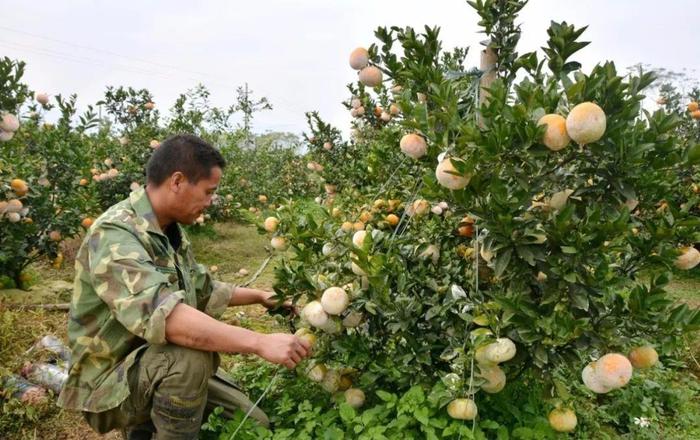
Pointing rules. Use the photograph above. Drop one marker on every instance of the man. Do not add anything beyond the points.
(143, 327)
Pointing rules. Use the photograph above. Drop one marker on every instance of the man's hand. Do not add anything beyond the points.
(268, 301)
(283, 349)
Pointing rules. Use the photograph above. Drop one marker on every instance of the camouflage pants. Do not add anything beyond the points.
(172, 388)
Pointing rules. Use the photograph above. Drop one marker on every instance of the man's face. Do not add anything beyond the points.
(193, 199)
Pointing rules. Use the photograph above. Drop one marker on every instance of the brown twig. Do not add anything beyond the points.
(63, 307)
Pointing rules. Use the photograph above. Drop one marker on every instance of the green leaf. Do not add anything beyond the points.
(347, 413)
(569, 249)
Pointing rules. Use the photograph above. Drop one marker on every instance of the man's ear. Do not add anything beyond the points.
(177, 181)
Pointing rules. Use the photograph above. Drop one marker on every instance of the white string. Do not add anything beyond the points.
(390, 177)
(476, 290)
(255, 405)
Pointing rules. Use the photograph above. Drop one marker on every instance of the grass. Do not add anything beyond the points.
(229, 246)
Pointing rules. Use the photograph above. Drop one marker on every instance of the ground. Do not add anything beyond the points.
(229, 246)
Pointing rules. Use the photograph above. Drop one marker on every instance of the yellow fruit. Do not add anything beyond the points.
(13, 217)
(393, 204)
(555, 137)
(317, 372)
(86, 223)
(306, 335)
(378, 204)
(371, 76)
(20, 187)
(334, 300)
(271, 224)
(365, 217)
(358, 226)
(83, 182)
(315, 315)
(358, 238)
(346, 227)
(413, 145)
(327, 146)
(591, 379)
(14, 205)
(42, 98)
(278, 243)
(154, 144)
(689, 258)
(58, 262)
(150, 105)
(355, 397)
(693, 106)
(643, 357)
(495, 379)
(345, 383)
(394, 110)
(613, 370)
(359, 58)
(695, 114)
(448, 176)
(6, 136)
(500, 351)
(586, 123)
(392, 219)
(562, 420)
(9, 122)
(262, 198)
(331, 381)
(462, 409)
(421, 207)
(55, 236)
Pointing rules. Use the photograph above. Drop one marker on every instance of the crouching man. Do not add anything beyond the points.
(143, 323)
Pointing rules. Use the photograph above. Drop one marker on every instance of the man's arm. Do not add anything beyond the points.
(188, 327)
(243, 296)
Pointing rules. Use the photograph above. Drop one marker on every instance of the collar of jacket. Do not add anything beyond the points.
(142, 207)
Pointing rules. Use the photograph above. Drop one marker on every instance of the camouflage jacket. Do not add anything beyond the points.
(129, 275)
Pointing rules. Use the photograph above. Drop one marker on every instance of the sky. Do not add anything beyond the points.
(295, 53)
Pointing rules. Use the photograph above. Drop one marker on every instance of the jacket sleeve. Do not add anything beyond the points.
(139, 294)
(213, 297)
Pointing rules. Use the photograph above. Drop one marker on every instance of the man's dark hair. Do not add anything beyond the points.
(189, 154)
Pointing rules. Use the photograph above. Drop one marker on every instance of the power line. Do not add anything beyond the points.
(292, 107)
(108, 52)
(286, 106)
